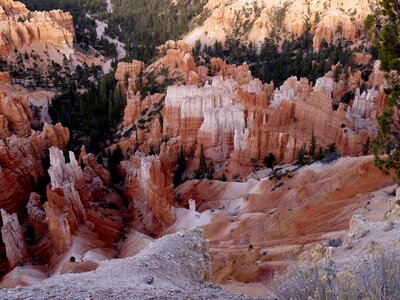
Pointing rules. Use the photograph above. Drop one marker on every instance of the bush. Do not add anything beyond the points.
(334, 243)
(370, 278)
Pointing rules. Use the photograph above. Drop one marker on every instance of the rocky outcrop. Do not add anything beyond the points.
(13, 238)
(241, 74)
(253, 21)
(393, 212)
(127, 75)
(93, 169)
(21, 29)
(149, 190)
(137, 107)
(234, 121)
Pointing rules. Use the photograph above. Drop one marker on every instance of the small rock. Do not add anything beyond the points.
(150, 280)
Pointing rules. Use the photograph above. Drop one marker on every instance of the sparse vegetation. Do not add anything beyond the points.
(296, 57)
(370, 278)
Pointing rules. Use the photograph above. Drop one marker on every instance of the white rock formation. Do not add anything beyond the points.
(286, 92)
(61, 172)
(324, 85)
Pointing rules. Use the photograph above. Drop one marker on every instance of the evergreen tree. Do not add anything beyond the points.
(180, 169)
(113, 162)
(269, 161)
(386, 146)
(332, 148)
(313, 145)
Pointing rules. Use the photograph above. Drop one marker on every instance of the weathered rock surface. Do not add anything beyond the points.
(37, 216)
(77, 197)
(15, 116)
(64, 208)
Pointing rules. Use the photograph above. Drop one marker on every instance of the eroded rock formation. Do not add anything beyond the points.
(64, 208)
(242, 123)
(234, 120)
(149, 189)
(21, 164)
(13, 238)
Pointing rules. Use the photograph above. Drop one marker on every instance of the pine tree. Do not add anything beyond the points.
(180, 169)
(313, 145)
(386, 146)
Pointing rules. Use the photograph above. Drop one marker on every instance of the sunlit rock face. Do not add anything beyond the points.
(256, 20)
(21, 29)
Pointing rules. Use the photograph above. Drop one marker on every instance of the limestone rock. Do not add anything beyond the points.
(235, 122)
(393, 212)
(358, 229)
(64, 209)
(93, 169)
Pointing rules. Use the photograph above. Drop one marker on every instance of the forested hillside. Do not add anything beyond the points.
(144, 25)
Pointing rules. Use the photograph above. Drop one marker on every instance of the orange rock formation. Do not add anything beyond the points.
(22, 29)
